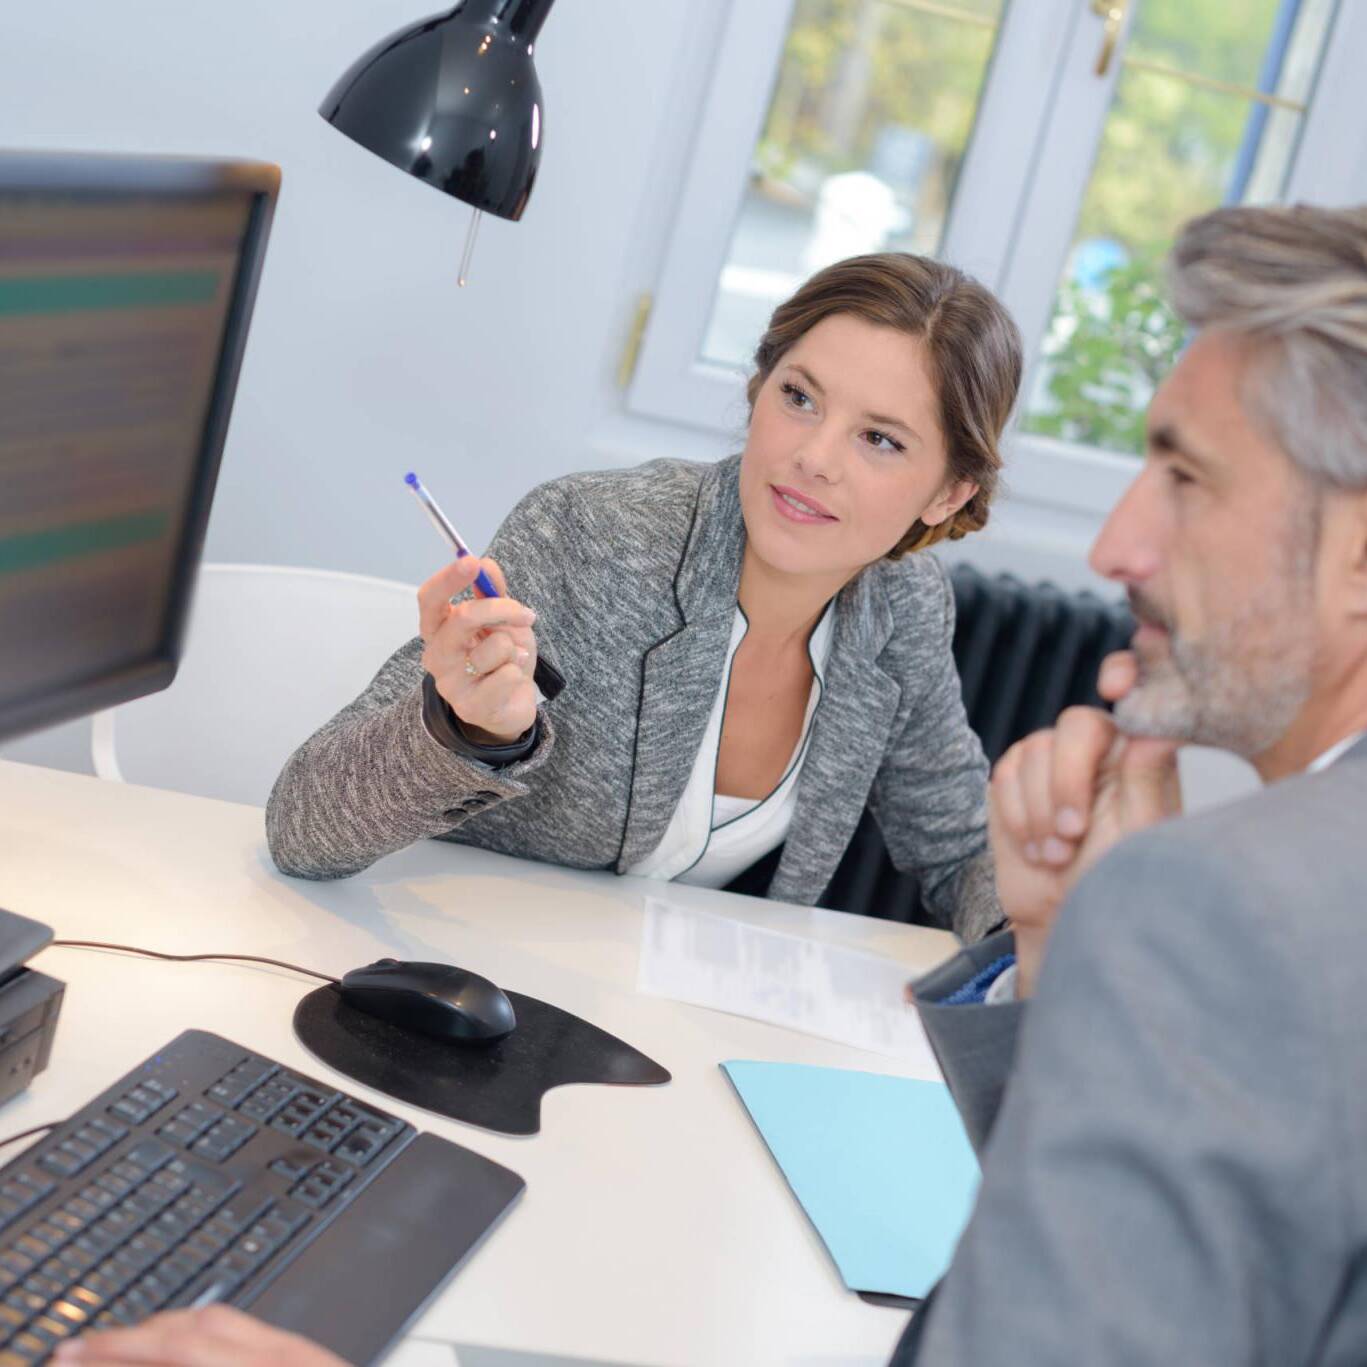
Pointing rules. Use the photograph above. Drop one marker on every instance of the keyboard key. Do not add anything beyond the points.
(208, 1180)
(87, 1297)
(107, 1129)
(216, 1232)
(12, 1319)
(98, 1197)
(241, 1081)
(50, 1331)
(98, 1241)
(61, 1163)
(37, 1187)
(102, 1283)
(46, 1287)
(173, 1225)
(68, 1312)
(27, 1303)
(363, 1144)
(82, 1209)
(77, 1260)
(224, 1139)
(13, 1357)
(116, 1186)
(268, 1099)
(151, 1155)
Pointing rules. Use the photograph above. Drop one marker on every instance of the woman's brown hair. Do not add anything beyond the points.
(972, 345)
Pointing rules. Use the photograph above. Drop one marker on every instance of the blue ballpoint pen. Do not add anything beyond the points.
(443, 525)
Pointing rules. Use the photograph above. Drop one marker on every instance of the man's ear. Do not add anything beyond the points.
(948, 502)
(1349, 512)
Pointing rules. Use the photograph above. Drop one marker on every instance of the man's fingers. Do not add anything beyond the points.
(1006, 799)
(1148, 772)
(434, 597)
(1082, 740)
(1118, 675)
(1036, 767)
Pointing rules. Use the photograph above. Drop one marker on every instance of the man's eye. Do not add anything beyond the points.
(1179, 476)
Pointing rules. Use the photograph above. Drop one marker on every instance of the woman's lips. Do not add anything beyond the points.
(782, 496)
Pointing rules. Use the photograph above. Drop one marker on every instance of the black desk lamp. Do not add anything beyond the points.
(455, 101)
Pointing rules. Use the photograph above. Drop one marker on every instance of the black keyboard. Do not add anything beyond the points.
(213, 1174)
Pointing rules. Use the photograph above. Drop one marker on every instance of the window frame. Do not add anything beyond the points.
(1039, 95)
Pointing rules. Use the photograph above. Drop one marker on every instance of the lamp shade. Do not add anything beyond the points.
(453, 100)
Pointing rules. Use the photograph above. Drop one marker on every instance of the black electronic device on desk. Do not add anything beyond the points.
(211, 1173)
(29, 1005)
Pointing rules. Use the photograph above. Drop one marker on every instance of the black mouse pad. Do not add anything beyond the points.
(498, 1086)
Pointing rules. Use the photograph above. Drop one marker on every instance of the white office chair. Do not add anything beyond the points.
(271, 653)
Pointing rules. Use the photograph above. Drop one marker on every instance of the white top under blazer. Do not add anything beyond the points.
(712, 837)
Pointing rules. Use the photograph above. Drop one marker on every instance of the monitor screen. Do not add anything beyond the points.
(125, 288)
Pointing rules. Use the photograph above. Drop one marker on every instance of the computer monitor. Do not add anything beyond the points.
(126, 288)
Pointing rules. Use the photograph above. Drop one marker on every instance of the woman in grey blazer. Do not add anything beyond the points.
(760, 639)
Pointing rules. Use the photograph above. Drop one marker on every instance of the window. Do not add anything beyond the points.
(1208, 110)
(860, 151)
(1046, 150)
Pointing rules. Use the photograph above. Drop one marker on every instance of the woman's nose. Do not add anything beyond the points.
(820, 456)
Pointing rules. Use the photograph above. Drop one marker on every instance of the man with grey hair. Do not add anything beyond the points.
(1176, 1171)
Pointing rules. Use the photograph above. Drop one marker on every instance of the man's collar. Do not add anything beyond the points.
(1356, 744)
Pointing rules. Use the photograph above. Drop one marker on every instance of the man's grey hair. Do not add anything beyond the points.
(1295, 279)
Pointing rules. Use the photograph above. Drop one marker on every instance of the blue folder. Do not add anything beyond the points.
(880, 1164)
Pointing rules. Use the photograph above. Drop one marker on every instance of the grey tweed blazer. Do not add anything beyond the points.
(633, 575)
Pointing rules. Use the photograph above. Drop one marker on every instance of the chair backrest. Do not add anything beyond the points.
(272, 652)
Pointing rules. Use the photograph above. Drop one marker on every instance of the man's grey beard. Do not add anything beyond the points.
(1242, 686)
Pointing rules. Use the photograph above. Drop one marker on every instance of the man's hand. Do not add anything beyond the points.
(216, 1336)
(1060, 799)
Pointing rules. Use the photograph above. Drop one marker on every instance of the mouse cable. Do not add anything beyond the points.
(25, 1134)
(190, 958)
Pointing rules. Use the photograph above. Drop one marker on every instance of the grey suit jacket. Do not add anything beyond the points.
(1178, 1169)
(633, 575)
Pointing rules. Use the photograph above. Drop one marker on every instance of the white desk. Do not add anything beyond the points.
(655, 1229)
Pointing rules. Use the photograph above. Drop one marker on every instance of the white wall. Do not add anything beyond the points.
(365, 358)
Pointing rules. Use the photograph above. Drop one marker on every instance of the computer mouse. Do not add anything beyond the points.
(439, 1000)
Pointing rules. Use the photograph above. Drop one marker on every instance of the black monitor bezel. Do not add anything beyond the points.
(171, 178)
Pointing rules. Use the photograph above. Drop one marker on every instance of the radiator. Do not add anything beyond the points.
(1024, 653)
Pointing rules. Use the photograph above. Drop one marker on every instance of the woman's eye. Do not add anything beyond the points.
(880, 441)
(1178, 476)
(799, 398)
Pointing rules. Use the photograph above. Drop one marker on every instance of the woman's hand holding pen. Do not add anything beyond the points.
(481, 652)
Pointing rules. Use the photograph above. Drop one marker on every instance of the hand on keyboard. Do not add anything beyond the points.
(216, 1336)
